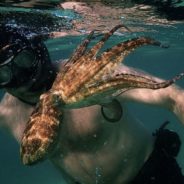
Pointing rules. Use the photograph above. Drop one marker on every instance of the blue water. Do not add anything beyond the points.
(164, 63)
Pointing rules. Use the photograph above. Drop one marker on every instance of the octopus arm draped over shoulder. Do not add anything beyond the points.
(84, 80)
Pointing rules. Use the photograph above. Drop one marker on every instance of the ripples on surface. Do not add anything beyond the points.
(76, 18)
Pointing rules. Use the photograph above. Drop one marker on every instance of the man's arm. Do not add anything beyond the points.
(13, 115)
(171, 98)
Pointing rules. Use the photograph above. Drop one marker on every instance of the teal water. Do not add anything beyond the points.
(164, 63)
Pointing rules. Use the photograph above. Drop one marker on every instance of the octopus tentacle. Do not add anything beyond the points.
(94, 50)
(87, 57)
(126, 47)
(80, 50)
(122, 81)
(81, 74)
(116, 54)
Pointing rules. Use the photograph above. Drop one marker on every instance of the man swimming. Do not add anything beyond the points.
(91, 150)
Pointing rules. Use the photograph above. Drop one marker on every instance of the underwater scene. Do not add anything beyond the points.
(130, 152)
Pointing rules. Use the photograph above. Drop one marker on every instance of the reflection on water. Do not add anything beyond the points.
(172, 9)
(79, 20)
(76, 18)
(42, 4)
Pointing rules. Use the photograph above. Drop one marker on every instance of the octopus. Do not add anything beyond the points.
(87, 78)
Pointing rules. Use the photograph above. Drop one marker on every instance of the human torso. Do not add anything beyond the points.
(94, 151)
(90, 150)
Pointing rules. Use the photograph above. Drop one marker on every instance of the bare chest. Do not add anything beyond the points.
(106, 154)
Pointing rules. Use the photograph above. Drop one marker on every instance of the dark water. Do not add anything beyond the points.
(164, 63)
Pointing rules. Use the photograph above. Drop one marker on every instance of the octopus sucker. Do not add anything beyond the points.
(85, 79)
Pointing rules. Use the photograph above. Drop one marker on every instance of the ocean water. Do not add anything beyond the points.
(164, 63)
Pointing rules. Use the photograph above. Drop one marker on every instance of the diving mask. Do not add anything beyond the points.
(24, 58)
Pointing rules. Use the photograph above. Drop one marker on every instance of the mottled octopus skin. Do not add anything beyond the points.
(84, 76)
(41, 130)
